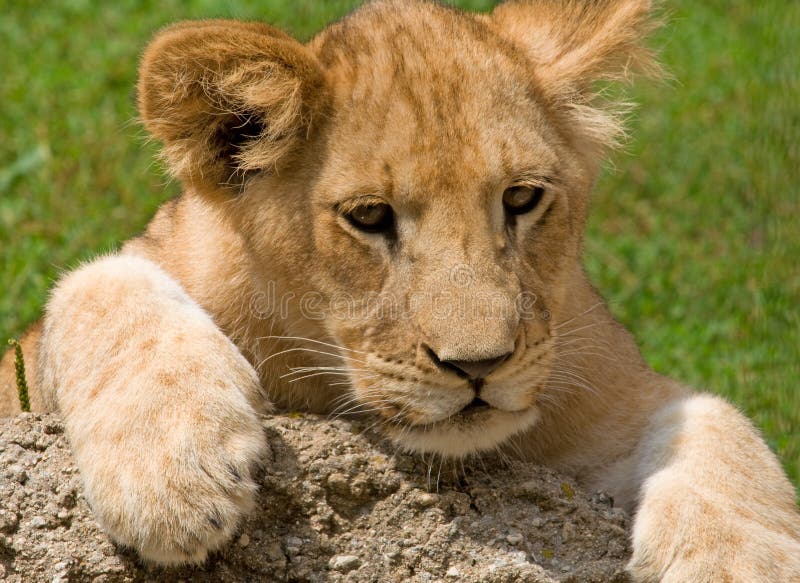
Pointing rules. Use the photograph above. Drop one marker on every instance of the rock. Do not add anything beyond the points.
(344, 563)
(514, 538)
(336, 504)
(8, 521)
(293, 541)
(37, 522)
(426, 499)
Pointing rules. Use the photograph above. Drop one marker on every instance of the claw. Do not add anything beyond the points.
(235, 473)
(215, 522)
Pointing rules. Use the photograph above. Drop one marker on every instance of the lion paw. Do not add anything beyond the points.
(687, 537)
(177, 504)
(158, 406)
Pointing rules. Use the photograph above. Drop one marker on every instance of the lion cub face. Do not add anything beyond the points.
(441, 226)
(421, 174)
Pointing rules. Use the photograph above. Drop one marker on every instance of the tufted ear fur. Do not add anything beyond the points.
(227, 98)
(573, 44)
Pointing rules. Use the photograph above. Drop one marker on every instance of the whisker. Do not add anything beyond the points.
(583, 313)
(571, 384)
(302, 349)
(341, 384)
(316, 374)
(312, 368)
(587, 353)
(315, 341)
(357, 403)
(578, 329)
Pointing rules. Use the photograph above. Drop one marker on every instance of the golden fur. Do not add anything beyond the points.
(172, 346)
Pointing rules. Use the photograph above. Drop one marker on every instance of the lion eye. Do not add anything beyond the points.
(519, 200)
(372, 218)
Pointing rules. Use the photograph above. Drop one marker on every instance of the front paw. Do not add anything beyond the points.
(178, 499)
(681, 535)
(158, 405)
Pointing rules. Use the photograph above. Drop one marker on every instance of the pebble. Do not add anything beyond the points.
(519, 557)
(344, 563)
(616, 549)
(8, 521)
(391, 557)
(496, 564)
(603, 498)
(292, 551)
(293, 541)
(568, 532)
(411, 554)
(274, 552)
(453, 572)
(426, 499)
(514, 538)
(244, 540)
(17, 474)
(339, 483)
(62, 569)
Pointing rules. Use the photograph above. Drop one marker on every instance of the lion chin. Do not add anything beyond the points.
(464, 434)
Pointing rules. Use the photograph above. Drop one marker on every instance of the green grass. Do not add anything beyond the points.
(694, 237)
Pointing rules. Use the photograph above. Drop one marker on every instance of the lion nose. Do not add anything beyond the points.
(471, 369)
(477, 369)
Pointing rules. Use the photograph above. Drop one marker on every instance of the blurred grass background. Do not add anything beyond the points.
(694, 237)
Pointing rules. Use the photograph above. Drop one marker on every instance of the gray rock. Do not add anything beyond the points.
(344, 563)
(336, 504)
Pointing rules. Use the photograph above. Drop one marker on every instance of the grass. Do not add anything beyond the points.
(693, 237)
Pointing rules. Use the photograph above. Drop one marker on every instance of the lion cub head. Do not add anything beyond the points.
(415, 179)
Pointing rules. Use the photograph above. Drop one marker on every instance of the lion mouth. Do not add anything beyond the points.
(476, 427)
(477, 405)
(472, 411)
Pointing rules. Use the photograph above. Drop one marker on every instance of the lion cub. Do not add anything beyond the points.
(398, 204)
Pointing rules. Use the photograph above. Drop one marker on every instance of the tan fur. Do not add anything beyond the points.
(435, 112)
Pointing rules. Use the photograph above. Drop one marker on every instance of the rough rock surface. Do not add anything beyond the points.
(335, 504)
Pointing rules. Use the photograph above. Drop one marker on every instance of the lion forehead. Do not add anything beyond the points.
(441, 69)
(429, 99)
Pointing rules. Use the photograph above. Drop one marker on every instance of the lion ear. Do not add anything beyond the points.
(575, 43)
(227, 98)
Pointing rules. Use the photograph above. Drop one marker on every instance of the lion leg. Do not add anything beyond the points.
(158, 405)
(714, 504)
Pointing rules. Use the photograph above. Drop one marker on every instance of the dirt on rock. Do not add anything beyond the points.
(336, 504)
